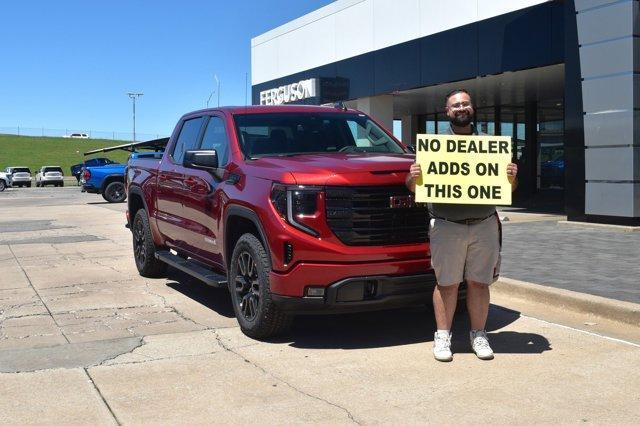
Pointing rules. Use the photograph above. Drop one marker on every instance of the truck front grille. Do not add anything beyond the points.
(363, 216)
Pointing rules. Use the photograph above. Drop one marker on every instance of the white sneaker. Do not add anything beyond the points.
(480, 344)
(442, 346)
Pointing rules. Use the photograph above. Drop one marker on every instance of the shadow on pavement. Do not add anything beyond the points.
(372, 329)
(511, 342)
(407, 326)
(216, 299)
(103, 202)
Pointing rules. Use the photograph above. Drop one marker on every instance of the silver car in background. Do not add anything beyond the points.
(5, 181)
(20, 176)
(50, 175)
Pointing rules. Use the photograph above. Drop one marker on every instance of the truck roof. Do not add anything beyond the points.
(265, 109)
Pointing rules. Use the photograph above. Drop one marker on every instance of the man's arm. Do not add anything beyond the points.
(512, 171)
(414, 173)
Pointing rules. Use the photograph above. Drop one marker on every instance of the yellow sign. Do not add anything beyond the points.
(460, 169)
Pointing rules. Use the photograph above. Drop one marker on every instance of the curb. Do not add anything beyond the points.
(615, 310)
(606, 226)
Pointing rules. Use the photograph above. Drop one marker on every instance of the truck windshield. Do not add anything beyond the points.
(283, 134)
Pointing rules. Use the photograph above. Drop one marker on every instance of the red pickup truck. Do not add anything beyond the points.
(296, 209)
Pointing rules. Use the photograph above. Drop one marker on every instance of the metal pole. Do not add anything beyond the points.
(133, 97)
(218, 81)
(134, 120)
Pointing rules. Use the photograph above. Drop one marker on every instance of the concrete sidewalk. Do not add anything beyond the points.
(85, 339)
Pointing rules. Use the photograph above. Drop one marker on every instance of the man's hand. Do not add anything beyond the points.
(512, 171)
(415, 171)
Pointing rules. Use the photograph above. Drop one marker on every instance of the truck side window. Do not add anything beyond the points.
(215, 137)
(187, 140)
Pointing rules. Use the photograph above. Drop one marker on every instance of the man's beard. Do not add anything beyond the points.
(462, 120)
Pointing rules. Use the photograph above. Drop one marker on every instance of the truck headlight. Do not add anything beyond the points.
(298, 205)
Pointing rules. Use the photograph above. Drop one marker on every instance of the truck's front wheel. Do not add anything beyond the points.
(258, 316)
(144, 250)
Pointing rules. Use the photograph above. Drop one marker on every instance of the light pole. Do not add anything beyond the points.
(209, 98)
(217, 81)
(133, 97)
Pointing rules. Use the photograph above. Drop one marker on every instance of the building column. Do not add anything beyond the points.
(574, 184)
(378, 107)
(528, 167)
(610, 71)
(409, 129)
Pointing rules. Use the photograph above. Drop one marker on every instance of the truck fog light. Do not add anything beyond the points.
(315, 291)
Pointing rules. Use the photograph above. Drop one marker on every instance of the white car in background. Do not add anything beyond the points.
(5, 181)
(77, 136)
(50, 175)
(20, 176)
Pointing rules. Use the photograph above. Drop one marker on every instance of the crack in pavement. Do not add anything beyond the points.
(268, 373)
(18, 317)
(95, 386)
(173, 308)
(66, 355)
(86, 283)
(36, 291)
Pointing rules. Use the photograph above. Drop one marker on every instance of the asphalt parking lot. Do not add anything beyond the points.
(85, 339)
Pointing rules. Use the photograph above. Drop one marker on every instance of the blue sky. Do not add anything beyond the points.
(68, 64)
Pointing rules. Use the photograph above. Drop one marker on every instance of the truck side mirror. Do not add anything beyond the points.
(204, 160)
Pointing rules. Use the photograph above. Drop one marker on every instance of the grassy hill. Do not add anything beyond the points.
(35, 152)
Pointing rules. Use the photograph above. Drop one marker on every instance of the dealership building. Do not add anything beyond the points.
(562, 78)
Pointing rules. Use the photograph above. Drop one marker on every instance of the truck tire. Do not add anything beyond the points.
(115, 192)
(144, 250)
(258, 316)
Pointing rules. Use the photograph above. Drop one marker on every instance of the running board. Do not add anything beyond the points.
(193, 268)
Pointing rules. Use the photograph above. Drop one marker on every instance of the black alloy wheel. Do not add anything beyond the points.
(144, 249)
(259, 317)
(247, 286)
(115, 192)
(139, 243)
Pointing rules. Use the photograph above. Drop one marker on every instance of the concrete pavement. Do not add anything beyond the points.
(85, 339)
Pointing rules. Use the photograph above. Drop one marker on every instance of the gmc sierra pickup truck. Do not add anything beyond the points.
(294, 209)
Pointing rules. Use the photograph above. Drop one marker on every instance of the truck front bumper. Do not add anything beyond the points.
(364, 293)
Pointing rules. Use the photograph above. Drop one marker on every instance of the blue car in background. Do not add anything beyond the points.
(76, 169)
(108, 179)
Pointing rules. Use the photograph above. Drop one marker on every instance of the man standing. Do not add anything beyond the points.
(465, 245)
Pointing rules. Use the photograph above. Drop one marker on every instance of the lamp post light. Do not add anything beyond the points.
(133, 97)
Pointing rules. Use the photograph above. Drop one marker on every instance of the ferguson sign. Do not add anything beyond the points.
(290, 93)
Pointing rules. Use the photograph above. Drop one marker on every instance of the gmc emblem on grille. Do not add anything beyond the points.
(401, 201)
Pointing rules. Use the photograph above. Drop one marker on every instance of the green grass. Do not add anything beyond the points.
(35, 152)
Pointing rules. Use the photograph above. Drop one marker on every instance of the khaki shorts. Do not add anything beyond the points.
(469, 252)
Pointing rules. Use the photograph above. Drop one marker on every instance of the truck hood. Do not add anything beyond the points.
(337, 168)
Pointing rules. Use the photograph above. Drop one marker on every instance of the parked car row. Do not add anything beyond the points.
(21, 176)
